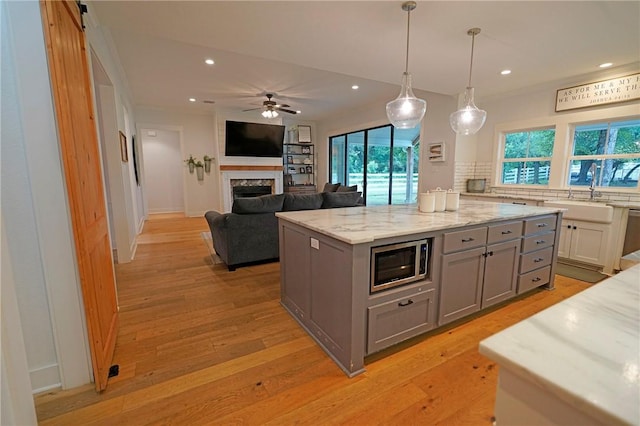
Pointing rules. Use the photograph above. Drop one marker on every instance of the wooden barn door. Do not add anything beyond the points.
(69, 71)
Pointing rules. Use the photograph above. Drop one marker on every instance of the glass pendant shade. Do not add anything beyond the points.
(406, 111)
(469, 119)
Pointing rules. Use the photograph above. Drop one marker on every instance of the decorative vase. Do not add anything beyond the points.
(292, 136)
(191, 167)
(200, 172)
(207, 166)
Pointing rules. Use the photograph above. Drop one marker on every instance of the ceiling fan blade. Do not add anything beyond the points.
(282, 106)
(252, 109)
(287, 110)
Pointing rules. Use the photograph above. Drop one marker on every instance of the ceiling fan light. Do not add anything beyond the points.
(468, 119)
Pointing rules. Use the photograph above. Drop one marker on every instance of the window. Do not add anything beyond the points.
(382, 161)
(527, 157)
(607, 154)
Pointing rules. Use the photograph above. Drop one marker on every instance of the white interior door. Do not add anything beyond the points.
(163, 169)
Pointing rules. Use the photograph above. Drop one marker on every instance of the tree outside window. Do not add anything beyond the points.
(615, 150)
(527, 157)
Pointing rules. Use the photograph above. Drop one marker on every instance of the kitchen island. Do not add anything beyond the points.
(577, 362)
(475, 257)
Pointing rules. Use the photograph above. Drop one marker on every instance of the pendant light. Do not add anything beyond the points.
(406, 111)
(469, 119)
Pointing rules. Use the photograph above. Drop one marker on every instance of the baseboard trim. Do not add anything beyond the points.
(45, 378)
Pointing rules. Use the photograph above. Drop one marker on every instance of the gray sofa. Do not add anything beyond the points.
(250, 232)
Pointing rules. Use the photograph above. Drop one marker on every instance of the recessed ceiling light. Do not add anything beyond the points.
(355, 87)
(209, 61)
(505, 72)
(192, 99)
(606, 65)
(298, 112)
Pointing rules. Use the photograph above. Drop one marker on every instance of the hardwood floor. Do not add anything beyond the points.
(201, 345)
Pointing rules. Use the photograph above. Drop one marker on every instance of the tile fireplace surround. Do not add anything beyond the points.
(247, 176)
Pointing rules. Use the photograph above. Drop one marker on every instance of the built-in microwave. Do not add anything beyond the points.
(397, 264)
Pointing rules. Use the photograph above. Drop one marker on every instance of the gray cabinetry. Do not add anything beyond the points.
(500, 272)
(461, 286)
(399, 319)
(476, 278)
(537, 254)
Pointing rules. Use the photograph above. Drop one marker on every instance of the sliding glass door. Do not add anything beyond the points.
(382, 161)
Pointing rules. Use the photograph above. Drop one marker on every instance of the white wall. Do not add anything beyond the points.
(126, 197)
(198, 138)
(163, 170)
(435, 128)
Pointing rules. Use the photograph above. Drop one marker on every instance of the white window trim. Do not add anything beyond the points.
(564, 124)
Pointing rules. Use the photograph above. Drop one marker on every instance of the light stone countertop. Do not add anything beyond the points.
(356, 225)
(584, 350)
(623, 204)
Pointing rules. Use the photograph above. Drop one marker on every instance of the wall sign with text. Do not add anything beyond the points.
(604, 92)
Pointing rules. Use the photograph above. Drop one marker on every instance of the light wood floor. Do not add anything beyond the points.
(201, 345)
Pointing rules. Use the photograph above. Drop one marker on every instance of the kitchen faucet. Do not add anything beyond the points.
(592, 187)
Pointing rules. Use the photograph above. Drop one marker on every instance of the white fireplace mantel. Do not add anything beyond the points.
(228, 175)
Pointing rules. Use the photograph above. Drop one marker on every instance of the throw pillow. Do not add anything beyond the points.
(332, 200)
(352, 188)
(293, 202)
(330, 187)
(263, 204)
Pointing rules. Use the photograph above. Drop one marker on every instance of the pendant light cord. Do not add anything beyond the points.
(472, 32)
(406, 63)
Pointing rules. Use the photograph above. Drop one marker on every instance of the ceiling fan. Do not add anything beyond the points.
(270, 108)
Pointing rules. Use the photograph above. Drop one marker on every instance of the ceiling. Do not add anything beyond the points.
(310, 53)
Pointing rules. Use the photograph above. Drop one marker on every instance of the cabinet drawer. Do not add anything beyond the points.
(533, 279)
(392, 322)
(539, 224)
(462, 240)
(538, 242)
(535, 259)
(504, 232)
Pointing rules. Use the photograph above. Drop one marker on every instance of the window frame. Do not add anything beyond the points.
(597, 157)
(502, 160)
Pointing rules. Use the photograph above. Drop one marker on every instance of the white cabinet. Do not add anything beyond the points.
(584, 241)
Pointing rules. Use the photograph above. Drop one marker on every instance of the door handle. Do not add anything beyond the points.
(536, 279)
(466, 240)
(506, 232)
(538, 259)
(541, 225)
(407, 303)
(540, 242)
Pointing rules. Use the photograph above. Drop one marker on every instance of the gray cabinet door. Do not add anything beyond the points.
(461, 284)
(500, 272)
(400, 319)
(295, 272)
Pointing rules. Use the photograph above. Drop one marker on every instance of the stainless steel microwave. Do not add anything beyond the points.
(397, 264)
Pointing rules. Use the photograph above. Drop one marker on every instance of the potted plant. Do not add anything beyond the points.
(207, 163)
(191, 162)
(199, 170)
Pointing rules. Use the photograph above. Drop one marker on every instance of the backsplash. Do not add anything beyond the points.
(471, 170)
(482, 170)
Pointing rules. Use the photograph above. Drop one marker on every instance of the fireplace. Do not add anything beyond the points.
(248, 178)
(250, 191)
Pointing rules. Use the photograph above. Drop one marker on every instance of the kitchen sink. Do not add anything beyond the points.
(589, 211)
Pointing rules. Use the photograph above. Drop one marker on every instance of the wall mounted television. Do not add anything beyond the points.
(253, 139)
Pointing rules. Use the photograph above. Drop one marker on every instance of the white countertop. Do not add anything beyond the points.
(584, 350)
(355, 225)
(622, 204)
